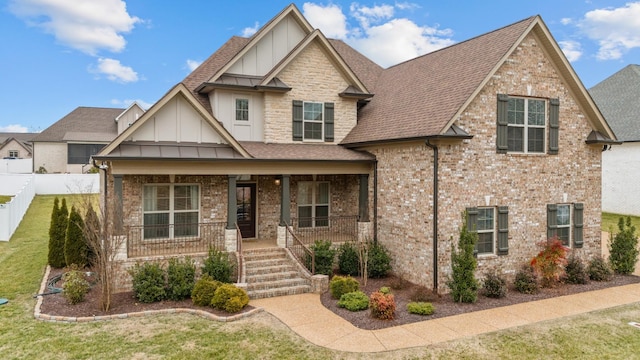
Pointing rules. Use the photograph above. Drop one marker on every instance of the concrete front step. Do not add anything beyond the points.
(272, 276)
(270, 272)
(275, 284)
(251, 264)
(253, 271)
(291, 290)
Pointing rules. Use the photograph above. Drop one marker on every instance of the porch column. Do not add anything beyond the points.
(285, 201)
(363, 199)
(232, 206)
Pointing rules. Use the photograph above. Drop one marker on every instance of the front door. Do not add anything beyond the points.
(246, 201)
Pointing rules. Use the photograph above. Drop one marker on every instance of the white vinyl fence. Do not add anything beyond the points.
(25, 187)
(16, 166)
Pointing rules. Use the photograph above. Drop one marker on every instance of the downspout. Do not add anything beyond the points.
(435, 214)
(375, 202)
(106, 188)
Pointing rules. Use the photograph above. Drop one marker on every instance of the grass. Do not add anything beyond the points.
(182, 336)
(610, 221)
(5, 199)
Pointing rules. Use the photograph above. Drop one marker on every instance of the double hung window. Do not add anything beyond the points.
(313, 204)
(171, 211)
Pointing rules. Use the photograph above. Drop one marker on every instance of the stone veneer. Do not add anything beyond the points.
(471, 170)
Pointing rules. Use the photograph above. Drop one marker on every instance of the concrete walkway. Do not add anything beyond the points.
(305, 315)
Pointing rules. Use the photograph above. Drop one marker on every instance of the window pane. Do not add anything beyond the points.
(185, 197)
(304, 216)
(322, 194)
(485, 243)
(186, 224)
(485, 219)
(305, 193)
(536, 140)
(536, 112)
(313, 111)
(242, 109)
(322, 215)
(156, 198)
(156, 226)
(563, 213)
(515, 139)
(563, 235)
(515, 113)
(313, 130)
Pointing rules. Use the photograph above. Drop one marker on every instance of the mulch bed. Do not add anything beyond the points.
(126, 302)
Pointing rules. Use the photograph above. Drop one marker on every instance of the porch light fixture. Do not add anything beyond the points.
(277, 181)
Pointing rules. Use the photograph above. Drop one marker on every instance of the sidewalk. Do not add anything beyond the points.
(305, 315)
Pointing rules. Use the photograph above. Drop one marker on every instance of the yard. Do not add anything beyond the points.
(23, 259)
(5, 199)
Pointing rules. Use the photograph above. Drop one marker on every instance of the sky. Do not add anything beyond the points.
(57, 55)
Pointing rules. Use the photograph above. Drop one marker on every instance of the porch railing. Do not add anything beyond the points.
(300, 251)
(336, 229)
(162, 240)
(240, 257)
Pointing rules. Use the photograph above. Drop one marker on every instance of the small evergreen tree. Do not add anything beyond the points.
(75, 248)
(623, 250)
(91, 234)
(57, 234)
(463, 284)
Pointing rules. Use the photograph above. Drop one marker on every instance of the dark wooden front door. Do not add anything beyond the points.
(246, 201)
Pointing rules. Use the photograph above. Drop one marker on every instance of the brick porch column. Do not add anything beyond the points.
(364, 224)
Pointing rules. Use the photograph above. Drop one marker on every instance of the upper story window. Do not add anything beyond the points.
(242, 109)
(312, 121)
(13, 153)
(527, 125)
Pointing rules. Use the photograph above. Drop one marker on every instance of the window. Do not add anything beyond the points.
(523, 125)
(312, 121)
(170, 211)
(81, 153)
(242, 109)
(313, 204)
(492, 228)
(486, 231)
(13, 153)
(565, 222)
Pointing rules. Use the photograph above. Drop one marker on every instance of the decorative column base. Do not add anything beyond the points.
(282, 236)
(365, 231)
(319, 284)
(230, 240)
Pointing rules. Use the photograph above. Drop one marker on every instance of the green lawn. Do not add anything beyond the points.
(5, 199)
(22, 260)
(610, 221)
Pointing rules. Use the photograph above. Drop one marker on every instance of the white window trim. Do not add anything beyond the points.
(321, 122)
(493, 230)
(525, 126)
(569, 226)
(313, 204)
(171, 210)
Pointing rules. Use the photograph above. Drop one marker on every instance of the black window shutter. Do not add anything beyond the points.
(503, 230)
(297, 120)
(577, 224)
(328, 121)
(554, 125)
(552, 221)
(502, 124)
(472, 224)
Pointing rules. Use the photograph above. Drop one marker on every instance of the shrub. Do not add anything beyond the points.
(420, 308)
(348, 259)
(463, 284)
(623, 250)
(599, 270)
(180, 278)
(57, 234)
(204, 290)
(340, 285)
(526, 280)
(550, 261)
(218, 266)
(383, 306)
(229, 298)
(91, 234)
(576, 272)
(354, 301)
(378, 262)
(324, 256)
(423, 294)
(494, 285)
(148, 282)
(75, 287)
(75, 248)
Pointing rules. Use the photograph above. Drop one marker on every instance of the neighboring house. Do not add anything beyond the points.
(618, 98)
(16, 145)
(290, 132)
(68, 144)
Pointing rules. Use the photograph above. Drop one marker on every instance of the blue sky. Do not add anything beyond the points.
(61, 54)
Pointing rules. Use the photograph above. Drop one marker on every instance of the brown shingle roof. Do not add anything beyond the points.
(270, 151)
(419, 97)
(365, 69)
(83, 124)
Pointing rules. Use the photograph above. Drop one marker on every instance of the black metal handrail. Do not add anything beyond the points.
(239, 249)
(300, 251)
(336, 229)
(160, 240)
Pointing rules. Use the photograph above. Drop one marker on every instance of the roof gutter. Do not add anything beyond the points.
(435, 213)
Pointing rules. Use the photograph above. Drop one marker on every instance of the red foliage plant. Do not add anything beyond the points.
(383, 306)
(550, 262)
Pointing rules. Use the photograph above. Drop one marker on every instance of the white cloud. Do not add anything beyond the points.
(616, 30)
(248, 31)
(127, 102)
(115, 71)
(193, 64)
(14, 128)
(566, 21)
(85, 25)
(377, 33)
(571, 49)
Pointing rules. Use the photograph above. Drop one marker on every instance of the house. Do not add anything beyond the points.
(287, 136)
(617, 97)
(68, 144)
(16, 145)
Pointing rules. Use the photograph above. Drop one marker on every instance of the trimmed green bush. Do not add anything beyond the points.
(495, 286)
(378, 261)
(181, 277)
(599, 269)
(576, 272)
(57, 234)
(421, 308)
(230, 298)
(324, 255)
(75, 248)
(354, 301)
(218, 266)
(526, 280)
(204, 290)
(340, 285)
(623, 250)
(348, 259)
(75, 287)
(148, 282)
(463, 283)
